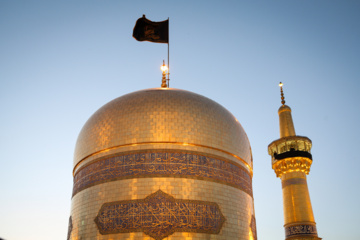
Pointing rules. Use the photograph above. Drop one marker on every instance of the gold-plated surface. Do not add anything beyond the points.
(286, 123)
(159, 215)
(168, 121)
(290, 164)
(162, 115)
(285, 144)
(297, 204)
(236, 206)
(159, 143)
(294, 164)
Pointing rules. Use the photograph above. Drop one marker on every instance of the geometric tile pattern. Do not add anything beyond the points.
(159, 215)
(300, 230)
(162, 164)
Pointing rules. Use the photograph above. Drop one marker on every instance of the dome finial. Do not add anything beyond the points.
(282, 93)
(164, 68)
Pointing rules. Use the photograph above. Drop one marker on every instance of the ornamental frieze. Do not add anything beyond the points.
(162, 164)
(300, 230)
(159, 215)
(295, 164)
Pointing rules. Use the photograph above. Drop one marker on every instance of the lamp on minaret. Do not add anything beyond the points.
(291, 160)
(163, 68)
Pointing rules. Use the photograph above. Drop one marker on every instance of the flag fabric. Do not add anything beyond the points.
(146, 30)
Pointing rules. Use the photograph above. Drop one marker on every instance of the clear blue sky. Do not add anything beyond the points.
(61, 61)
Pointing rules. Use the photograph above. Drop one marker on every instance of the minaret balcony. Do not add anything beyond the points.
(293, 146)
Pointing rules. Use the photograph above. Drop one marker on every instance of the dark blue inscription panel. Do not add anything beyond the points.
(159, 215)
(300, 230)
(161, 164)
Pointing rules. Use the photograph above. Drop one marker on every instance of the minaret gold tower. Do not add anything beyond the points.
(291, 160)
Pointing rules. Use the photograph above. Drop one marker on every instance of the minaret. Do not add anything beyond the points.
(291, 160)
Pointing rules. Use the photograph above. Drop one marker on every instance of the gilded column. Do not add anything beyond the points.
(291, 160)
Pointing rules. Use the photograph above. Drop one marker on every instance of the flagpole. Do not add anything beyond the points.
(168, 68)
(168, 54)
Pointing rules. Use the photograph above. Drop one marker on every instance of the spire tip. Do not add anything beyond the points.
(282, 93)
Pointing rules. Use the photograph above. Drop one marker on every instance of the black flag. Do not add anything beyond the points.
(146, 30)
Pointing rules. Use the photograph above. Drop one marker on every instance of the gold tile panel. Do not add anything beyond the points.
(236, 206)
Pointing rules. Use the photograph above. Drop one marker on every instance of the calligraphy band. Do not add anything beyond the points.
(163, 164)
(304, 229)
(159, 215)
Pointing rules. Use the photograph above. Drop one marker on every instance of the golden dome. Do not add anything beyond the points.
(163, 118)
